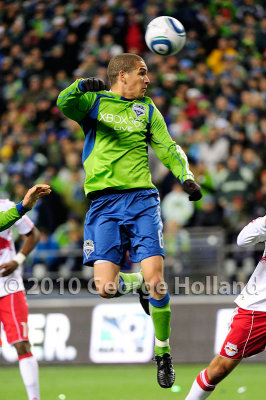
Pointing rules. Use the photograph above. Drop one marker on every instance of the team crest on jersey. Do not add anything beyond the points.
(139, 109)
(230, 349)
(88, 247)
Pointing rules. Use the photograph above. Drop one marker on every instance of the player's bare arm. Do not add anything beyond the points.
(30, 241)
(34, 194)
(10, 216)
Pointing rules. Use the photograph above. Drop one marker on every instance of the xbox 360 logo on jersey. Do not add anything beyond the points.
(139, 109)
(122, 123)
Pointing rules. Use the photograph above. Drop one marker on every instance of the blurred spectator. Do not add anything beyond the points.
(249, 7)
(237, 182)
(134, 36)
(216, 60)
(177, 246)
(46, 251)
(210, 214)
(215, 147)
(176, 207)
(74, 256)
(192, 108)
(176, 240)
(259, 205)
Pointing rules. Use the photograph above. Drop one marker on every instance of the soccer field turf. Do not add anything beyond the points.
(130, 383)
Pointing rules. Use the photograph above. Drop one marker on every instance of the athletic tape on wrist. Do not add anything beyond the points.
(19, 258)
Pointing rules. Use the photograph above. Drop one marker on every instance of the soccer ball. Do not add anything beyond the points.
(165, 36)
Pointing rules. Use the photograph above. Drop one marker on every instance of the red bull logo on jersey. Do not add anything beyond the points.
(230, 349)
(4, 243)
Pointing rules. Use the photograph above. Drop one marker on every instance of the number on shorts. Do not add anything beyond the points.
(160, 235)
(25, 329)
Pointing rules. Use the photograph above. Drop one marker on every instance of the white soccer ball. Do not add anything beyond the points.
(165, 36)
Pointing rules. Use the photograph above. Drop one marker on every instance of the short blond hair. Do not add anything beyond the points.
(125, 62)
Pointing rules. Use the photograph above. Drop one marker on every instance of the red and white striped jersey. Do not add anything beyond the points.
(13, 282)
(253, 296)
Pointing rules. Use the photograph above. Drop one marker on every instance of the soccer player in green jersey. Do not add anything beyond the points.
(125, 210)
(10, 216)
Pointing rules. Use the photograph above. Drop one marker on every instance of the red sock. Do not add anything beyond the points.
(204, 382)
(25, 356)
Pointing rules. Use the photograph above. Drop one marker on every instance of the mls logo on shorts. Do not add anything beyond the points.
(230, 349)
(139, 109)
(88, 247)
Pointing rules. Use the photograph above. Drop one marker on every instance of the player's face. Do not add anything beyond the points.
(137, 81)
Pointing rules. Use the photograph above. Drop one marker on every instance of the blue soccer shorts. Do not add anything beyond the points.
(115, 223)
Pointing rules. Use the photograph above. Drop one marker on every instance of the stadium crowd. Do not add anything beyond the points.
(212, 95)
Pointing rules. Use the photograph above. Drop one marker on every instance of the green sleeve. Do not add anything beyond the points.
(170, 154)
(74, 103)
(8, 218)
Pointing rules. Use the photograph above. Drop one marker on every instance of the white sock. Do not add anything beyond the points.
(28, 367)
(201, 388)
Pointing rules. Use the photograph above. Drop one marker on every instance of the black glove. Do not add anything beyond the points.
(92, 85)
(193, 189)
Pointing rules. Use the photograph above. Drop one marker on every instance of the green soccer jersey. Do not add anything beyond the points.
(117, 132)
(8, 218)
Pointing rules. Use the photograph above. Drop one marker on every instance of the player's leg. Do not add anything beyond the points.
(144, 226)
(28, 367)
(128, 282)
(159, 304)
(106, 278)
(206, 381)
(219, 368)
(15, 321)
(245, 338)
(160, 311)
(105, 243)
(110, 282)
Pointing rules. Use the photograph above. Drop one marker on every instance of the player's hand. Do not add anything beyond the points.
(93, 85)
(193, 189)
(7, 268)
(34, 194)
